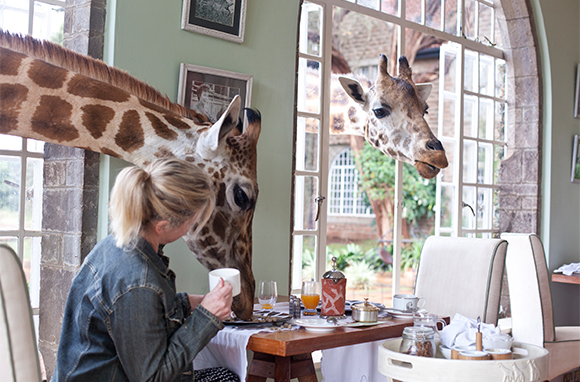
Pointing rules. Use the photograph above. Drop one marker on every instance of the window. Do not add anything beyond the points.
(455, 45)
(21, 160)
(345, 198)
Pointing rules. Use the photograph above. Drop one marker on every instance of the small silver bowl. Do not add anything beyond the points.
(365, 312)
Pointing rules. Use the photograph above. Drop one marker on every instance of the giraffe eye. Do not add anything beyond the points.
(382, 112)
(241, 198)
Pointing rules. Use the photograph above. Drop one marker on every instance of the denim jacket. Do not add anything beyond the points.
(123, 320)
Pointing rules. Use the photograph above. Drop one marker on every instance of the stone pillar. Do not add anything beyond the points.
(71, 193)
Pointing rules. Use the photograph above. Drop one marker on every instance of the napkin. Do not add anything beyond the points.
(569, 269)
(461, 331)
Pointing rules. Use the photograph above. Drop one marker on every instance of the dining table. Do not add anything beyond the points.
(285, 355)
(561, 278)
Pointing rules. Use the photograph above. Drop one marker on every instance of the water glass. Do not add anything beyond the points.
(310, 297)
(267, 294)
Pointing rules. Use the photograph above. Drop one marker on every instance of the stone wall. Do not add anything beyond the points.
(70, 196)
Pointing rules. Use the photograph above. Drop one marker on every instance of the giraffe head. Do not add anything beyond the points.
(226, 240)
(395, 108)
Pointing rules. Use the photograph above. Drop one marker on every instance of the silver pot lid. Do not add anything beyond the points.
(365, 307)
(334, 273)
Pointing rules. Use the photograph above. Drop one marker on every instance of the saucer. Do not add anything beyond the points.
(316, 324)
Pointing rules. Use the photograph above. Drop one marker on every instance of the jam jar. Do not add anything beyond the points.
(418, 341)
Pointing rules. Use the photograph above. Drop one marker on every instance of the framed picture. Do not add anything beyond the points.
(577, 94)
(575, 177)
(225, 19)
(210, 91)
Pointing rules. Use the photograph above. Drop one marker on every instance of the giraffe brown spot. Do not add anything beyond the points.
(152, 106)
(219, 225)
(407, 143)
(83, 86)
(221, 196)
(351, 112)
(392, 153)
(176, 122)
(11, 99)
(52, 119)
(110, 152)
(130, 136)
(161, 128)
(46, 75)
(164, 152)
(96, 118)
(10, 62)
(338, 123)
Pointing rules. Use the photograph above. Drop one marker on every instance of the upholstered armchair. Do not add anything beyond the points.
(531, 304)
(462, 275)
(19, 360)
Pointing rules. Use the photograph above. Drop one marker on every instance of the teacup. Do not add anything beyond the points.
(230, 275)
(407, 302)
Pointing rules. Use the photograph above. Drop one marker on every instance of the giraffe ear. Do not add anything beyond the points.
(424, 90)
(354, 89)
(210, 140)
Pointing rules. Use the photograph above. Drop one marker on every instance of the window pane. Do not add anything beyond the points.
(470, 14)
(448, 114)
(345, 196)
(305, 203)
(10, 142)
(484, 208)
(433, 14)
(373, 4)
(307, 143)
(14, 16)
(390, 6)
(311, 33)
(470, 116)
(447, 173)
(500, 78)
(495, 223)
(468, 210)
(469, 161)
(450, 71)
(499, 124)
(447, 206)
(34, 146)
(485, 24)
(9, 193)
(498, 156)
(486, 118)
(413, 10)
(10, 241)
(485, 163)
(48, 22)
(308, 86)
(33, 197)
(31, 266)
(303, 259)
(451, 16)
(471, 73)
(486, 74)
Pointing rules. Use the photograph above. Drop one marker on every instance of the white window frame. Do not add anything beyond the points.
(325, 59)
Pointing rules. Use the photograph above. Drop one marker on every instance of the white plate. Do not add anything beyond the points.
(360, 324)
(316, 324)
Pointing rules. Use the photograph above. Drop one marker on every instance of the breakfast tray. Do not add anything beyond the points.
(530, 364)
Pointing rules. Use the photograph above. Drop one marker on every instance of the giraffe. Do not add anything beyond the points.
(52, 94)
(392, 118)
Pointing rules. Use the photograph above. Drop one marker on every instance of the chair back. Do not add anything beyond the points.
(529, 287)
(462, 275)
(18, 352)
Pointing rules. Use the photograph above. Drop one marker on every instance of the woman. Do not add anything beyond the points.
(123, 320)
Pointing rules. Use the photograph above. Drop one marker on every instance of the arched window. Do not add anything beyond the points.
(345, 196)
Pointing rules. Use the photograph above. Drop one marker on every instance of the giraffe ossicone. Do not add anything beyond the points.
(52, 94)
(392, 118)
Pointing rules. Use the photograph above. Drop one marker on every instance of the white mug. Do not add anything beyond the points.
(407, 302)
(230, 275)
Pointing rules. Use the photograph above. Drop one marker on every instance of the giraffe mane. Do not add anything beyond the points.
(57, 55)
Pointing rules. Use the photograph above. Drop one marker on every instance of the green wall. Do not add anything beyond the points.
(558, 33)
(144, 37)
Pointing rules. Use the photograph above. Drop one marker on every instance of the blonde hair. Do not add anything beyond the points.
(167, 189)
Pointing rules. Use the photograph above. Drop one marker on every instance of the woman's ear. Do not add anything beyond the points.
(161, 226)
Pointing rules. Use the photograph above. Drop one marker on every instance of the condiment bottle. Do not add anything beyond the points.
(419, 341)
(333, 292)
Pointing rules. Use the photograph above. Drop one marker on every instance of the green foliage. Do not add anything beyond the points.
(360, 275)
(378, 180)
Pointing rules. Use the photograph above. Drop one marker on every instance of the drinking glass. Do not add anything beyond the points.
(310, 297)
(267, 294)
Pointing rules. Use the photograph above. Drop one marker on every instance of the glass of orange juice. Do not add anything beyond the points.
(310, 297)
(267, 294)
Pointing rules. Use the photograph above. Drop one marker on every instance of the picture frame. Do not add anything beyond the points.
(210, 91)
(575, 175)
(577, 94)
(225, 19)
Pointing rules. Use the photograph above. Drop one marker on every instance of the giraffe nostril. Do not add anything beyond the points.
(435, 145)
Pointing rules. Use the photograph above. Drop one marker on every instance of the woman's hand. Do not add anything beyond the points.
(194, 300)
(219, 300)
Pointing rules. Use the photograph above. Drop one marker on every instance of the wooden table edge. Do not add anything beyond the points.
(560, 278)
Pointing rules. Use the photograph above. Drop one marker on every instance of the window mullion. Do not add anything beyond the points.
(458, 231)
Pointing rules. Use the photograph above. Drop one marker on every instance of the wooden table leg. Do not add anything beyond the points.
(281, 369)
